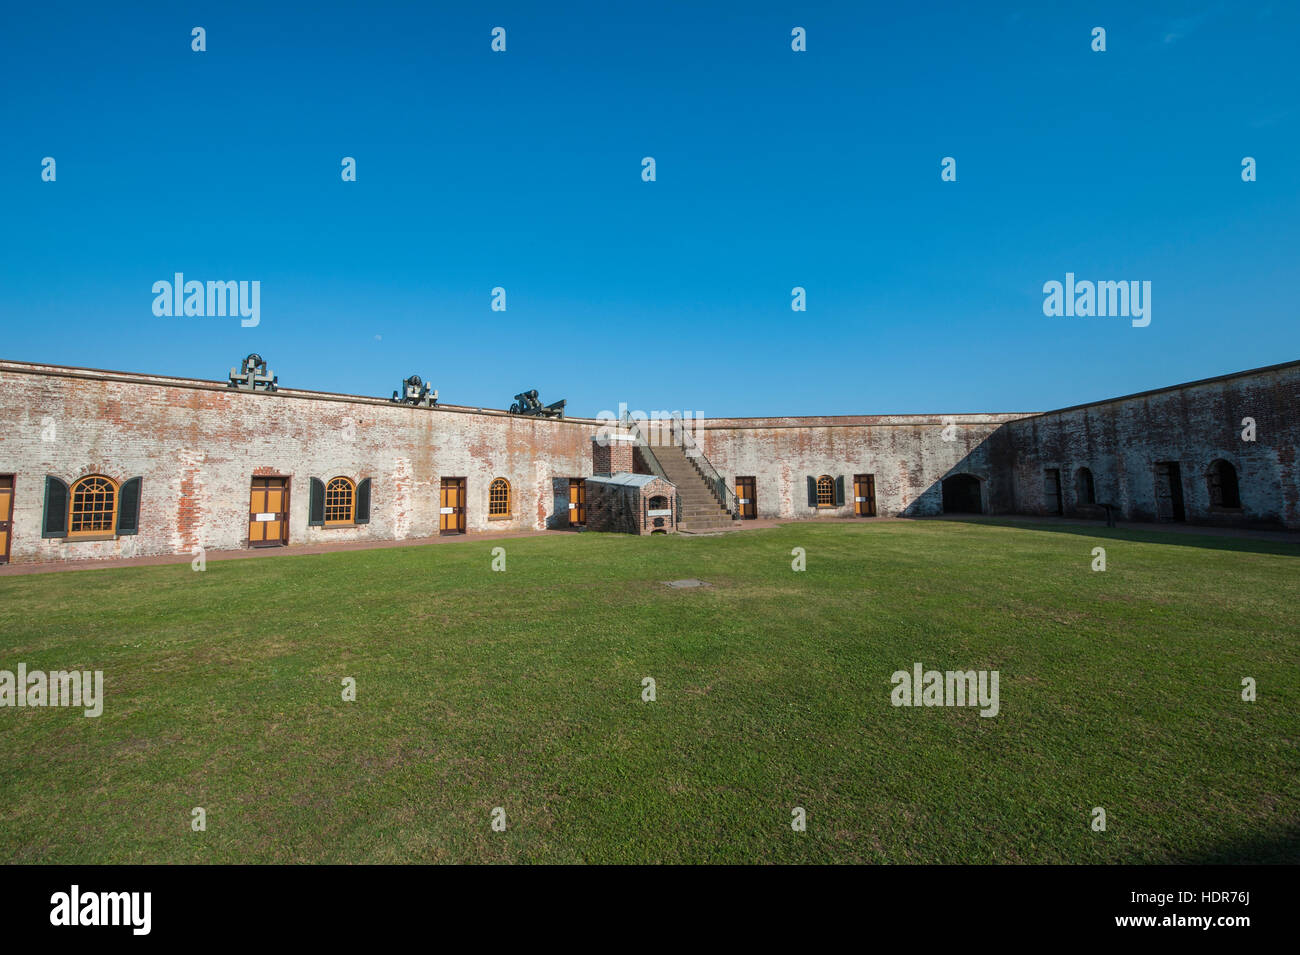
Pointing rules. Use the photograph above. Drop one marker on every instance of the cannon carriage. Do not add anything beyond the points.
(253, 375)
(527, 403)
(416, 393)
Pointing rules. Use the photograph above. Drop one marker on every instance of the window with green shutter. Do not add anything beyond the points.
(54, 523)
(316, 504)
(363, 502)
(128, 507)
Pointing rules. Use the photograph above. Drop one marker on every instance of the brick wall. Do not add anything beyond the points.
(908, 454)
(1120, 440)
(197, 446)
(1195, 424)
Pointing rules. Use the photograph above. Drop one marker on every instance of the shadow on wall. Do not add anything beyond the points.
(1007, 473)
(1169, 536)
(558, 519)
(969, 486)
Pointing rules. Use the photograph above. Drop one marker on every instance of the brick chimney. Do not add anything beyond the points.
(612, 452)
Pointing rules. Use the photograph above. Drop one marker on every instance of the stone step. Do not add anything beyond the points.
(699, 509)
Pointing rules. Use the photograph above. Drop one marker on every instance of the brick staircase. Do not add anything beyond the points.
(701, 511)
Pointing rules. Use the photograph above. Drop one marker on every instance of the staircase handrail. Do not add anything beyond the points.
(725, 495)
(652, 462)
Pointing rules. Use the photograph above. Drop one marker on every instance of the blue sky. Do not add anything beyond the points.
(775, 169)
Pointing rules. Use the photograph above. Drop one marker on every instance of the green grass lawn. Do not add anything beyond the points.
(522, 690)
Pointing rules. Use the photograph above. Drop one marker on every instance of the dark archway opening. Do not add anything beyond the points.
(1084, 489)
(961, 495)
(1224, 489)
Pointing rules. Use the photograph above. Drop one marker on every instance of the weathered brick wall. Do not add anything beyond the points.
(198, 445)
(908, 454)
(1121, 441)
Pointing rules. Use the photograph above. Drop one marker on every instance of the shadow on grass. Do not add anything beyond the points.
(1279, 848)
(1181, 538)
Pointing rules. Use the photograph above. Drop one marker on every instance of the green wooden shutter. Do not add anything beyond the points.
(316, 506)
(839, 491)
(812, 491)
(363, 502)
(128, 507)
(54, 523)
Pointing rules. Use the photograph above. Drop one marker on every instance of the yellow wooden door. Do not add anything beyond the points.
(6, 515)
(268, 520)
(275, 528)
(451, 510)
(256, 505)
(747, 497)
(577, 502)
(864, 495)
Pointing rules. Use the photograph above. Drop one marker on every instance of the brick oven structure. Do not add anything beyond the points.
(631, 504)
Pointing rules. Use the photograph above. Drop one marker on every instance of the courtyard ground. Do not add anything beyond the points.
(522, 689)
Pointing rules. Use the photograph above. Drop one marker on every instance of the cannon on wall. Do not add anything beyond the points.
(253, 375)
(526, 402)
(416, 393)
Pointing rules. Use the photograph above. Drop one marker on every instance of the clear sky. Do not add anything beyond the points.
(775, 169)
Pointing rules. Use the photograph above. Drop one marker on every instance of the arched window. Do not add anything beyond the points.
(499, 498)
(340, 499)
(825, 491)
(94, 506)
(1224, 490)
(1084, 489)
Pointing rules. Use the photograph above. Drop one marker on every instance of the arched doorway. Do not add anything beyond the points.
(961, 495)
(1085, 491)
(1225, 492)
